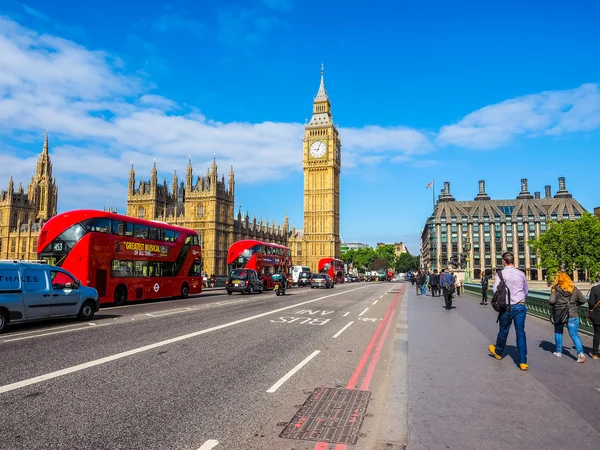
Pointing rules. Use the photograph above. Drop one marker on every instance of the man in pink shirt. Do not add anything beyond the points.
(516, 283)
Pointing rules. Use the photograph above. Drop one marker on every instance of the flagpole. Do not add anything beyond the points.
(433, 194)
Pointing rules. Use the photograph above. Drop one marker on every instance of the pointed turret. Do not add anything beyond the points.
(189, 175)
(175, 184)
(131, 179)
(231, 181)
(45, 149)
(286, 222)
(154, 177)
(44, 165)
(321, 107)
(11, 185)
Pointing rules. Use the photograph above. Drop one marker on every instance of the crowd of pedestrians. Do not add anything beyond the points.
(510, 282)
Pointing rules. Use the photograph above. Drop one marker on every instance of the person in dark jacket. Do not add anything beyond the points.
(419, 280)
(594, 305)
(485, 283)
(434, 282)
(565, 295)
(447, 283)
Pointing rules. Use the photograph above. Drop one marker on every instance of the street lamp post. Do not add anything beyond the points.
(467, 250)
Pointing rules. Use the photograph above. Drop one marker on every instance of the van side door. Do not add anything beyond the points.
(65, 294)
(36, 292)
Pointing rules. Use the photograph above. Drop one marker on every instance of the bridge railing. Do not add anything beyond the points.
(538, 305)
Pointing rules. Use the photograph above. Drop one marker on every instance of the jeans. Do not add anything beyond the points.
(573, 329)
(484, 290)
(517, 313)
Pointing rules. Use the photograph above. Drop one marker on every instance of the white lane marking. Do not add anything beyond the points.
(346, 314)
(375, 302)
(117, 356)
(43, 330)
(211, 443)
(366, 309)
(56, 332)
(289, 375)
(169, 312)
(342, 330)
(380, 297)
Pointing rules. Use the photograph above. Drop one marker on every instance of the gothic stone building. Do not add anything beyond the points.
(205, 205)
(493, 227)
(22, 214)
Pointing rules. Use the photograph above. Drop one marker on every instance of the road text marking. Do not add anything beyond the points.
(289, 375)
(342, 330)
(366, 309)
(211, 443)
(135, 351)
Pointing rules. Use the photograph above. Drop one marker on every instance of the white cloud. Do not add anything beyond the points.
(105, 118)
(548, 113)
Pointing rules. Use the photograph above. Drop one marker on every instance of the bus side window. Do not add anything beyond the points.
(140, 231)
(169, 235)
(98, 224)
(153, 233)
(127, 229)
(188, 239)
(117, 227)
(195, 240)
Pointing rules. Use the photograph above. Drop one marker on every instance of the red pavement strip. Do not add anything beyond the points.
(385, 326)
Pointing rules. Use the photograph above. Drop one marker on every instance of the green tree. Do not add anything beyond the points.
(363, 258)
(348, 256)
(407, 262)
(387, 253)
(569, 244)
(379, 264)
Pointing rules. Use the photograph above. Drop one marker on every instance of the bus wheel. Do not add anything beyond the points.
(87, 310)
(3, 320)
(185, 290)
(120, 295)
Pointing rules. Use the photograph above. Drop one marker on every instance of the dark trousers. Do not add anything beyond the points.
(435, 290)
(596, 341)
(447, 297)
(419, 289)
(484, 290)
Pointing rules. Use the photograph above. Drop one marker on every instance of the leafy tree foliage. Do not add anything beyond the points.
(379, 264)
(407, 262)
(569, 244)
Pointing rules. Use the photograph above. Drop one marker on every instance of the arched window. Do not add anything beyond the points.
(141, 212)
(200, 210)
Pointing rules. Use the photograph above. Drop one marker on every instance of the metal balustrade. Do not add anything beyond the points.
(539, 306)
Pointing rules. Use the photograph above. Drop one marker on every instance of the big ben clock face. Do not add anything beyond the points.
(317, 149)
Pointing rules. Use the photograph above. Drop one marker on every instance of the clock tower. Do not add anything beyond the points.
(322, 162)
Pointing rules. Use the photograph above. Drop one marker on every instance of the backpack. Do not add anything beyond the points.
(501, 298)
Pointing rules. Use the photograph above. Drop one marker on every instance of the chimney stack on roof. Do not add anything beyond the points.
(548, 191)
(536, 195)
(562, 189)
(524, 194)
(482, 195)
(446, 196)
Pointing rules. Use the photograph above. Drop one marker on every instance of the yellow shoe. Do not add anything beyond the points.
(524, 366)
(492, 349)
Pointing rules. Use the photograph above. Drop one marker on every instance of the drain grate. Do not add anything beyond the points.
(329, 415)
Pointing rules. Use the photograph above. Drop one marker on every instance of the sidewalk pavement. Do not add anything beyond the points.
(459, 397)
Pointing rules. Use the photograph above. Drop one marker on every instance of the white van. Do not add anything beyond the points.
(33, 290)
(296, 271)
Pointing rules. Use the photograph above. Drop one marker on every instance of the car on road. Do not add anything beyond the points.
(304, 278)
(354, 279)
(321, 280)
(33, 290)
(244, 281)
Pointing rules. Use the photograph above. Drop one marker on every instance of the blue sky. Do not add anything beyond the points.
(440, 91)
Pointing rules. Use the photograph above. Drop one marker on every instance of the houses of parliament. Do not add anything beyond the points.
(205, 203)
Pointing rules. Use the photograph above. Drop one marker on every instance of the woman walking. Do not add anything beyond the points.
(594, 314)
(485, 283)
(565, 300)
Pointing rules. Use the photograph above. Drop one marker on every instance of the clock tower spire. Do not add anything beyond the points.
(322, 164)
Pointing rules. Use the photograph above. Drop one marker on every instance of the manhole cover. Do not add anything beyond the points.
(329, 415)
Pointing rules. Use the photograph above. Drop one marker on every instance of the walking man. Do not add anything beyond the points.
(447, 283)
(434, 281)
(516, 284)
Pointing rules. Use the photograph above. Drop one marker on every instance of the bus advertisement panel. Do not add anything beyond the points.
(266, 259)
(124, 258)
(332, 267)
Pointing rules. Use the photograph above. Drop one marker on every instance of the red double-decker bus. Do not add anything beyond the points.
(266, 259)
(332, 267)
(124, 258)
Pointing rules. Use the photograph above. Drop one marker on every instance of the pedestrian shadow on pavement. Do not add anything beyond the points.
(551, 347)
(510, 351)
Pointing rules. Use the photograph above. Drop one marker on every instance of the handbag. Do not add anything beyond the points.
(591, 311)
